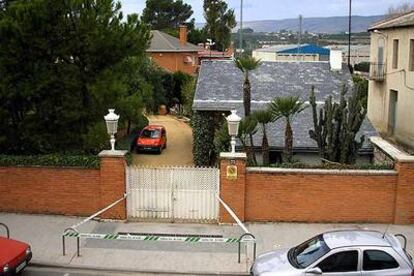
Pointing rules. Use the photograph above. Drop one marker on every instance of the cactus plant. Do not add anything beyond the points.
(336, 126)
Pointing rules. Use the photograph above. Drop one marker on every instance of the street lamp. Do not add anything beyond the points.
(233, 122)
(111, 120)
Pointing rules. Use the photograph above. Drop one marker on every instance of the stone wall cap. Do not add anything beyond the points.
(229, 155)
(113, 153)
(392, 150)
(320, 171)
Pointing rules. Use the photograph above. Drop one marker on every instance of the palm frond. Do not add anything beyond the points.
(286, 107)
(247, 63)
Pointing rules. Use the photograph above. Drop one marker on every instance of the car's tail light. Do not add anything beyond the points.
(28, 251)
(412, 273)
(6, 268)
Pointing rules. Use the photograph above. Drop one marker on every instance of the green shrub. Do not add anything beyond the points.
(50, 160)
(330, 166)
(96, 139)
(203, 125)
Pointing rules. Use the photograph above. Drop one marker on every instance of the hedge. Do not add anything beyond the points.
(329, 166)
(50, 160)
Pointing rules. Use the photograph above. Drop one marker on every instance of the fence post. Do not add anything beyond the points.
(232, 185)
(113, 183)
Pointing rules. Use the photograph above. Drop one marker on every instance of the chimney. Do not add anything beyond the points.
(335, 59)
(183, 34)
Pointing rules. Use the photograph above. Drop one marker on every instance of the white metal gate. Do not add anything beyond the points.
(173, 193)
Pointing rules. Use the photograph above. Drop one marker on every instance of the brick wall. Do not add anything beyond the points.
(309, 197)
(292, 195)
(64, 191)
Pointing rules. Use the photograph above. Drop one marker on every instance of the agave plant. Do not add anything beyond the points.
(264, 117)
(287, 107)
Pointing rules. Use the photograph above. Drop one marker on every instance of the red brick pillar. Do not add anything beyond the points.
(404, 199)
(232, 185)
(113, 183)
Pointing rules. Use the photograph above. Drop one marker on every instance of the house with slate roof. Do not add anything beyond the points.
(219, 89)
(174, 54)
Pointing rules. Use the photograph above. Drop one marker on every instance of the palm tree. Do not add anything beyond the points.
(264, 117)
(247, 127)
(287, 107)
(247, 64)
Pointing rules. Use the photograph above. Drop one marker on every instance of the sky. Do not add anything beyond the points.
(282, 9)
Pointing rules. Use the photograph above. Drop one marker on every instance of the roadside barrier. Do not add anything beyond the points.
(72, 232)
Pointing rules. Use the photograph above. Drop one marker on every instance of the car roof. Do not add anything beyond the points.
(345, 238)
(154, 127)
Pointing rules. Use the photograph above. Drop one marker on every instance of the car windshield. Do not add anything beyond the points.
(308, 252)
(150, 133)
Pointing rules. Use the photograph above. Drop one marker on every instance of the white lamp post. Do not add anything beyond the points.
(111, 120)
(233, 122)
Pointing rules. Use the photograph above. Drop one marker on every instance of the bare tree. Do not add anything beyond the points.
(403, 7)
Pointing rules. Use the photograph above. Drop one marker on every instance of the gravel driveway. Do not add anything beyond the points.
(179, 144)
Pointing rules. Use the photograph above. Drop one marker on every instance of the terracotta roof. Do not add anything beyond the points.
(163, 42)
(400, 21)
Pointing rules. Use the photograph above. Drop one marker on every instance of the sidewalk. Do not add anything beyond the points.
(43, 233)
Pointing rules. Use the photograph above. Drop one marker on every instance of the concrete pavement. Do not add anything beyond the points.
(44, 234)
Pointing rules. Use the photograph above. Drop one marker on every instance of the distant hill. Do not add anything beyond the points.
(328, 25)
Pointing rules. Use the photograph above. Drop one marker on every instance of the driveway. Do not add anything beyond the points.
(179, 151)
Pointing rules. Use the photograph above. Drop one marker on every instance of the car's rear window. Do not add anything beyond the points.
(150, 133)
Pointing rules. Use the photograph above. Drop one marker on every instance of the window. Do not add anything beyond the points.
(378, 260)
(308, 252)
(395, 54)
(346, 261)
(392, 112)
(411, 55)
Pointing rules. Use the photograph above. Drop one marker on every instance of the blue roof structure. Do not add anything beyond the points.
(306, 49)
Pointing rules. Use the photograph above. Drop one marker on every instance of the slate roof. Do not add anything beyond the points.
(219, 88)
(306, 49)
(163, 42)
(400, 21)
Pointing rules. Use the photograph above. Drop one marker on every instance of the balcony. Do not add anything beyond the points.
(377, 71)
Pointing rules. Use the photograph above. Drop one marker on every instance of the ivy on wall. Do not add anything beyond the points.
(203, 124)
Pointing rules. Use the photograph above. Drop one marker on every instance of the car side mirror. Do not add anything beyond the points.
(314, 270)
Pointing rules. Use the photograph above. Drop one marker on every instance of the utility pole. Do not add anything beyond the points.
(300, 34)
(349, 33)
(241, 28)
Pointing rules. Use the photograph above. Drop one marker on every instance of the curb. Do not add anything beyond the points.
(126, 270)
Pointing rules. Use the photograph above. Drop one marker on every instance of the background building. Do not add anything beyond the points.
(391, 86)
(305, 52)
(174, 54)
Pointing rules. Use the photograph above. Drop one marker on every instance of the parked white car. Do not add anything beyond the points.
(344, 252)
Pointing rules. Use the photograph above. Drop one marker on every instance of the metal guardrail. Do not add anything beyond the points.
(7, 229)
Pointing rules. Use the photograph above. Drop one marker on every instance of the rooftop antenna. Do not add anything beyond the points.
(386, 230)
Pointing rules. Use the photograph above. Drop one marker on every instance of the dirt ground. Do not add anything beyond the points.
(179, 144)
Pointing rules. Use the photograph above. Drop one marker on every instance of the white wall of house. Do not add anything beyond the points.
(391, 101)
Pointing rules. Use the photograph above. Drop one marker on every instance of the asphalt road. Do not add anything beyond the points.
(179, 151)
(48, 271)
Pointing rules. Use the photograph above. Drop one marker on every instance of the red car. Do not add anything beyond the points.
(152, 138)
(14, 256)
